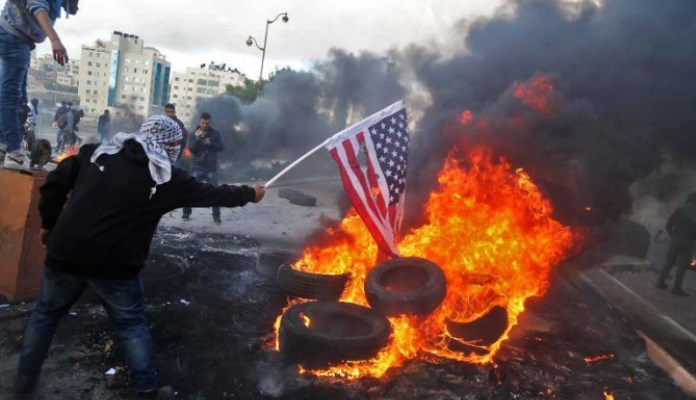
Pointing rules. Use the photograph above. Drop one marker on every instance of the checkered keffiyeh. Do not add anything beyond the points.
(155, 136)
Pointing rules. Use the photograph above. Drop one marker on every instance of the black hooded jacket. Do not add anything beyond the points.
(105, 228)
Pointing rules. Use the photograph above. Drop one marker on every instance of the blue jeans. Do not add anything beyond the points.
(123, 301)
(14, 65)
(205, 176)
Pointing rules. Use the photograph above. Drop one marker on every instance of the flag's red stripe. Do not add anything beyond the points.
(351, 154)
(357, 202)
(373, 182)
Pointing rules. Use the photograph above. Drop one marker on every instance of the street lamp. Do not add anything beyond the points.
(251, 40)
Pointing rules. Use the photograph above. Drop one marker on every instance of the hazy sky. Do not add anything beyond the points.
(193, 32)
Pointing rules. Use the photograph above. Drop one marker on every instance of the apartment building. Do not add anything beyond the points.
(124, 76)
(195, 84)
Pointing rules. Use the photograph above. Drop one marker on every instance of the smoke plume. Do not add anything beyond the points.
(617, 77)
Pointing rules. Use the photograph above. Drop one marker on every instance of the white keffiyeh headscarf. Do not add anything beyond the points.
(157, 135)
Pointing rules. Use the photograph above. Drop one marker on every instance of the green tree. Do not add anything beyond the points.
(250, 90)
(246, 93)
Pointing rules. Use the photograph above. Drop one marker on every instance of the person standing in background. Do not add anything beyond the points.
(22, 25)
(104, 126)
(204, 144)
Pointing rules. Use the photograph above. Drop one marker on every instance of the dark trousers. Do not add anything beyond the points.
(680, 252)
(123, 301)
(205, 176)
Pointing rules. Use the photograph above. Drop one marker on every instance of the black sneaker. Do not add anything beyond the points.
(185, 217)
(217, 220)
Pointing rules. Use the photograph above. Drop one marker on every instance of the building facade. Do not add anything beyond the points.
(200, 83)
(124, 76)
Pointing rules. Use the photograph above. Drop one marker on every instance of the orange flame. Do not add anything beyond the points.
(186, 152)
(491, 231)
(537, 94)
(607, 394)
(70, 151)
(602, 357)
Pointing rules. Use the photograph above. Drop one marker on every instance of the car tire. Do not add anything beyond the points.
(407, 285)
(335, 332)
(483, 331)
(311, 286)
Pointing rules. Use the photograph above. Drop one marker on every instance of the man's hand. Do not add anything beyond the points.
(260, 192)
(206, 141)
(59, 52)
(199, 134)
(43, 236)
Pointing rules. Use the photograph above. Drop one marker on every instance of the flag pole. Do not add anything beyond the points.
(294, 164)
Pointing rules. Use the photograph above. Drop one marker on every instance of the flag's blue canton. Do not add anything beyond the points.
(390, 137)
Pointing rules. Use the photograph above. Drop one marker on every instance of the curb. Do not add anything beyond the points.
(649, 324)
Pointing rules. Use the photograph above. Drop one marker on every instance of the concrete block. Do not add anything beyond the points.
(21, 253)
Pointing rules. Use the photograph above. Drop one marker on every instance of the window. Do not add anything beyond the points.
(176, 87)
(88, 91)
(98, 65)
(89, 82)
(142, 98)
(135, 70)
(89, 63)
(123, 97)
(176, 96)
(90, 54)
(176, 79)
(89, 73)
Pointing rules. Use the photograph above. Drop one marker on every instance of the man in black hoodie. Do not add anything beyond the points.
(681, 227)
(101, 237)
(204, 144)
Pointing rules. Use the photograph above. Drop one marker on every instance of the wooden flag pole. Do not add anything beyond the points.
(294, 164)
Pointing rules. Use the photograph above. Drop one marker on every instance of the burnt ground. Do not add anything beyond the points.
(209, 311)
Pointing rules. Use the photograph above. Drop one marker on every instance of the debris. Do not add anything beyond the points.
(184, 302)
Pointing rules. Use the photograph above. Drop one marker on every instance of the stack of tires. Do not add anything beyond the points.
(323, 333)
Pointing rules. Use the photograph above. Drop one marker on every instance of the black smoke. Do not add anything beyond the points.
(299, 110)
(624, 78)
(624, 86)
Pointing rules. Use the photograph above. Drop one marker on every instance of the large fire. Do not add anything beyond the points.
(491, 231)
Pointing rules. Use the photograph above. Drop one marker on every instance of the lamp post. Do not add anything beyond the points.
(251, 40)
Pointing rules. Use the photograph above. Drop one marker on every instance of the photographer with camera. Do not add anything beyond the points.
(204, 145)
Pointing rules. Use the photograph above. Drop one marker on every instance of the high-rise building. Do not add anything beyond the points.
(124, 76)
(206, 81)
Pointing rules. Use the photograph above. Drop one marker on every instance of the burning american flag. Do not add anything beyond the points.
(376, 185)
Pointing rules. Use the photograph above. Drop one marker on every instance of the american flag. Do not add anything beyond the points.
(372, 156)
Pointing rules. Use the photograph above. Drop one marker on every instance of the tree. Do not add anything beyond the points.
(248, 92)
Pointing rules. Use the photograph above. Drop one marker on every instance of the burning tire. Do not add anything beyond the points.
(409, 285)
(323, 333)
(311, 286)
(483, 331)
(268, 262)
